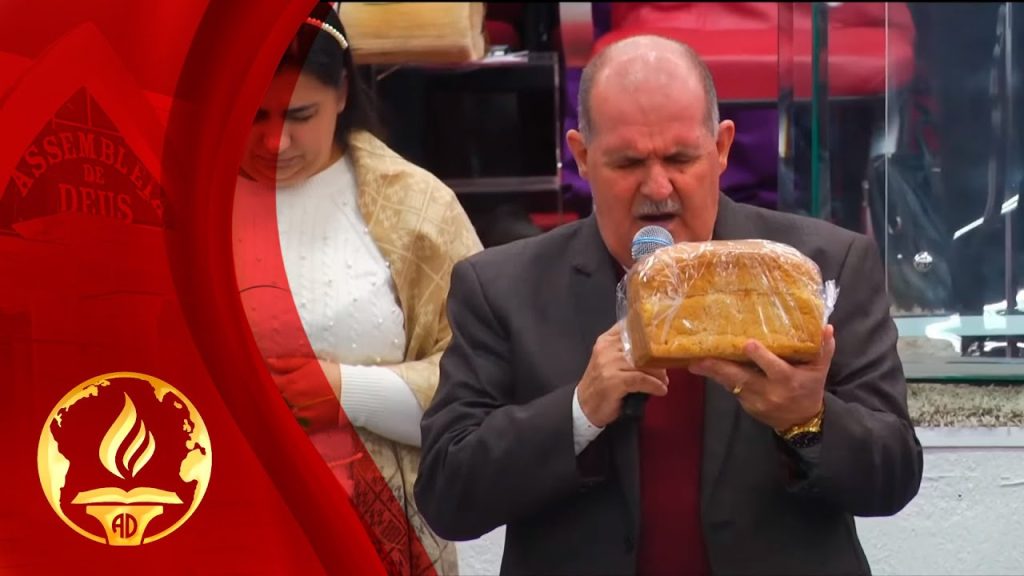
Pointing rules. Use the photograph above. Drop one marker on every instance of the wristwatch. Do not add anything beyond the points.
(804, 435)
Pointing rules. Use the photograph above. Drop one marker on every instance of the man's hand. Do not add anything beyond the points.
(311, 388)
(780, 395)
(609, 377)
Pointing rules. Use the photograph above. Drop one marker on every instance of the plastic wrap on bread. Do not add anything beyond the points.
(697, 300)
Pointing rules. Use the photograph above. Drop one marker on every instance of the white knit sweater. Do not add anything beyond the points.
(347, 300)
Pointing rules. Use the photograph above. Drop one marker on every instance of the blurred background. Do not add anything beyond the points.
(897, 120)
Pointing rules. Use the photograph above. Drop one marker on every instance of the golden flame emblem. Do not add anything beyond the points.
(134, 455)
(124, 459)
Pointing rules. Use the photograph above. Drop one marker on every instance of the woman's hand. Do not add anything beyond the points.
(312, 389)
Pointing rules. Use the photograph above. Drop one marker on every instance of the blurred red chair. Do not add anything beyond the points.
(502, 23)
(740, 43)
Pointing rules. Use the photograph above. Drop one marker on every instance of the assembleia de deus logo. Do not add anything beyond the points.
(124, 459)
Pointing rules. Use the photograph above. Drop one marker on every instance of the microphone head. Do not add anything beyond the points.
(650, 239)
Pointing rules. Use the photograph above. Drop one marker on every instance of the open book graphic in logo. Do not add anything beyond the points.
(124, 459)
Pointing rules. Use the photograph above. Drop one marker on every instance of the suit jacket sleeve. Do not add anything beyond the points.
(485, 459)
(870, 462)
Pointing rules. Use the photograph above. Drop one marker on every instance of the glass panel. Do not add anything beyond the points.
(902, 121)
(808, 114)
(943, 192)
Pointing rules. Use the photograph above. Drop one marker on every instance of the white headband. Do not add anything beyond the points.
(330, 30)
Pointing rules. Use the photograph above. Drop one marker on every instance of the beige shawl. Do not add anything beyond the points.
(422, 231)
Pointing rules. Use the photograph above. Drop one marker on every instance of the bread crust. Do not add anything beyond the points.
(707, 299)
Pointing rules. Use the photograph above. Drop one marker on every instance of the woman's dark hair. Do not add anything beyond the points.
(316, 52)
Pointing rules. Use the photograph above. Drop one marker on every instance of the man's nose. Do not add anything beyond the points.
(656, 184)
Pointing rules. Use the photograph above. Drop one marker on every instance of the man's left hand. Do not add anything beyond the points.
(780, 394)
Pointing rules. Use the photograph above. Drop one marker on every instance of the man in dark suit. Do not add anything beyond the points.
(731, 469)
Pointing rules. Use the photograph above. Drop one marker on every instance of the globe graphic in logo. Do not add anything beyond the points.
(124, 459)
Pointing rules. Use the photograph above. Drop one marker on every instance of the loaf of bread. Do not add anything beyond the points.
(415, 32)
(708, 299)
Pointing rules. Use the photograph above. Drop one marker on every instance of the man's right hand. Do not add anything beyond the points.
(609, 377)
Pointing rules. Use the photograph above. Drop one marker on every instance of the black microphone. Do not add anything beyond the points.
(647, 240)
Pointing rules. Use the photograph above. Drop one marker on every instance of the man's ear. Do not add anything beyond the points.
(579, 151)
(726, 134)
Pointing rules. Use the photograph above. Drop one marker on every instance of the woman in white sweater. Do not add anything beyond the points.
(343, 254)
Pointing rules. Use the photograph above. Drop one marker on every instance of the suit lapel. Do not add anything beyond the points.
(593, 283)
(721, 410)
(733, 221)
(721, 415)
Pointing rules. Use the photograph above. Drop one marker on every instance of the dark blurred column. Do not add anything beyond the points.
(956, 42)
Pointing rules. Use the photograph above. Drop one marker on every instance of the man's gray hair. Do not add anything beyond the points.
(592, 69)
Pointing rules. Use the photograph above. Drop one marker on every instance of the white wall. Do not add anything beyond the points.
(968, 518)
(482, 557)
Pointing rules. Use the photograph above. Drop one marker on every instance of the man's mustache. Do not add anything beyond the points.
(645, 207)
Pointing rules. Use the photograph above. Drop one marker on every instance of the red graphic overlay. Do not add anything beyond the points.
(123, 125)
(266, 295)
